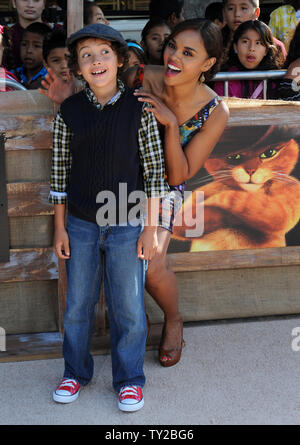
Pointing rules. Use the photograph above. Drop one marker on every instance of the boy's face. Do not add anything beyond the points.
(32, 50)
(29, 9)
(97, 63)
(57, 60)
(239, 11)
(98, 16)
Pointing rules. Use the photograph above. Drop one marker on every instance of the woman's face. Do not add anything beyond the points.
(155, 40)
(185, 58)
(29, 9)
(250, 49)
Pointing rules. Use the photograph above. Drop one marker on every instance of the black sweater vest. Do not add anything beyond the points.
(105, 152)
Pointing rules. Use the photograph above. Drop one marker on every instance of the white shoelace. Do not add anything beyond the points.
(68, 382)
(129, 390)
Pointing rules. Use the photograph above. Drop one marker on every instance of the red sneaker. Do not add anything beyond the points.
(131, 398)
(67, 391)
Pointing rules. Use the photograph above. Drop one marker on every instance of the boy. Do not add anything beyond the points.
(56, 54)
(32, 71)
(104, 137)
(169, 10)
(214, 12)
(240, 11)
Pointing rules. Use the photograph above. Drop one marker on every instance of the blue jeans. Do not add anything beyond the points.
(124, 281)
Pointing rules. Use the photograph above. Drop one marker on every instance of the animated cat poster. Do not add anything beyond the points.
(246, 196)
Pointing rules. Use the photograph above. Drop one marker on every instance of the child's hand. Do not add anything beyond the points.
(162, 113)
(147, 243)
(61, 244)
(55, 88)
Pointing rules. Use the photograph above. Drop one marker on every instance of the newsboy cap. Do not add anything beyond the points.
(97, 31)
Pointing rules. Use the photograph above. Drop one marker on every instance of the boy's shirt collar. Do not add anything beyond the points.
(22, 70)
(93, 98)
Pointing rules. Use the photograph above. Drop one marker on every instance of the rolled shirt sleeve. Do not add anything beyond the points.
(61, 161)
(152, 156)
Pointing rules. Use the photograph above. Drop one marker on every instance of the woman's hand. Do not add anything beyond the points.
(162, 113)
(57, 89)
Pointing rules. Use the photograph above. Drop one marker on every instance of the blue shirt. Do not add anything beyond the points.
(37, 77)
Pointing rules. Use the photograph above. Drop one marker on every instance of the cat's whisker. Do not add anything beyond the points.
(206, 181)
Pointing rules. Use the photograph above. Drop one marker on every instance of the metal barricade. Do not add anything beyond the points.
(252, 75)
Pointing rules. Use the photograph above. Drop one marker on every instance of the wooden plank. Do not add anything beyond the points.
(29, 265)
(48, 345)
(75, 16)
(234, 259)
(29, 306)
(4, 230)
(28, 165)
(29, 199)
(24, 102)
(30, 232)
(236, 293)
(27, 132)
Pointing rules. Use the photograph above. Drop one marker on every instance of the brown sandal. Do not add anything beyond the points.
(167, 352)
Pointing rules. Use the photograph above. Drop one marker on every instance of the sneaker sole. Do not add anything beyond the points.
(65, 399)
(131, 408)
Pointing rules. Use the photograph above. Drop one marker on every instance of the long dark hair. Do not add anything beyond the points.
(273, 58)
(294, 48)
(212, 39)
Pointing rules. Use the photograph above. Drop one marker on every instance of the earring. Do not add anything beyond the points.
(202, 78)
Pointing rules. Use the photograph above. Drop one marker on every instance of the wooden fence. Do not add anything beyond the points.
(213, 285)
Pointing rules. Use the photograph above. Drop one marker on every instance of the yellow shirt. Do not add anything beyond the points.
(283, 22)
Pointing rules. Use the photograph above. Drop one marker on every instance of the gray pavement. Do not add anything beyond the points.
(232, 372)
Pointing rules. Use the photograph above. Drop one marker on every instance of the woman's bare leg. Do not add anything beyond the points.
(161, 284)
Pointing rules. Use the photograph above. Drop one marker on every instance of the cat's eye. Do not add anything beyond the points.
(234, 158)
(268, 153)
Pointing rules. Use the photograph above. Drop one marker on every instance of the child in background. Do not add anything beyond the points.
(136, 53)
(283, 21)
(289, 87)
(32, 71)
(92, 13)
(56, 54)
(102, 137)
(4, 74)
(154, 35)
(28, 12)
(214, 12)
(253, 49)
(237, 12)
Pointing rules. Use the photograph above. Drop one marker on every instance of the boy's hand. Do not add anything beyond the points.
(61, 244)
(147, 243)
(57, 89)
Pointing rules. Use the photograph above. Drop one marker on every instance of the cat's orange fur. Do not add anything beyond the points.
(253, 203)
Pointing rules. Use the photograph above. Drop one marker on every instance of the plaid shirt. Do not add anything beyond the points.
(150, 151)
